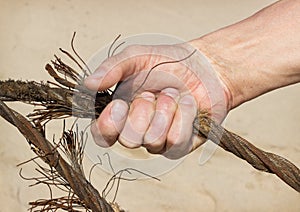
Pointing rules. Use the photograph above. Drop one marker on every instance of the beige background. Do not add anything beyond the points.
(32, 31)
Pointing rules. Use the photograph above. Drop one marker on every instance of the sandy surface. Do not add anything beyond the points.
(32, 31)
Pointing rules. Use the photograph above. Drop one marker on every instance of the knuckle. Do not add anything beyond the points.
(135, 48)
(110, 63)
(142, 109)
(166, 103)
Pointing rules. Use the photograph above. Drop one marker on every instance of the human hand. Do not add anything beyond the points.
(162, 89)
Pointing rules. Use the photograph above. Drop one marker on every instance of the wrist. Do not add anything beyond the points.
(220, 65)
(243, 75)
(258, 54)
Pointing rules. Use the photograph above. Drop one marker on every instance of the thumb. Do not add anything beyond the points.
(111, 71)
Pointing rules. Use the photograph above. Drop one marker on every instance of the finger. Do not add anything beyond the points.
(107, 127)
(180, 133)
(138, 120)
(165, 109)
(111, 71)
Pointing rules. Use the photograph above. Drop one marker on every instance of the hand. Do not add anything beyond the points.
(162, 89)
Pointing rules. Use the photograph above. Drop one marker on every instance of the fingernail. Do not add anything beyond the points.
(187, 100)
(148, 96)
(119, 111)
(171, 92)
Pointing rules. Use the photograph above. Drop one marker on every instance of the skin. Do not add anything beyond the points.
(250, 58)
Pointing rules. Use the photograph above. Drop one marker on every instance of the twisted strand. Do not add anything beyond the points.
(259, 159)
(81, 187)
(57, 102)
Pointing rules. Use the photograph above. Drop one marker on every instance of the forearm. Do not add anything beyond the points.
(258, 54)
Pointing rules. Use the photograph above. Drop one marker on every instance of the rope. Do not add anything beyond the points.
(259, 159)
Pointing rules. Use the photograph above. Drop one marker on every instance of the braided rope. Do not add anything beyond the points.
(77, 181)
(259, 159)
